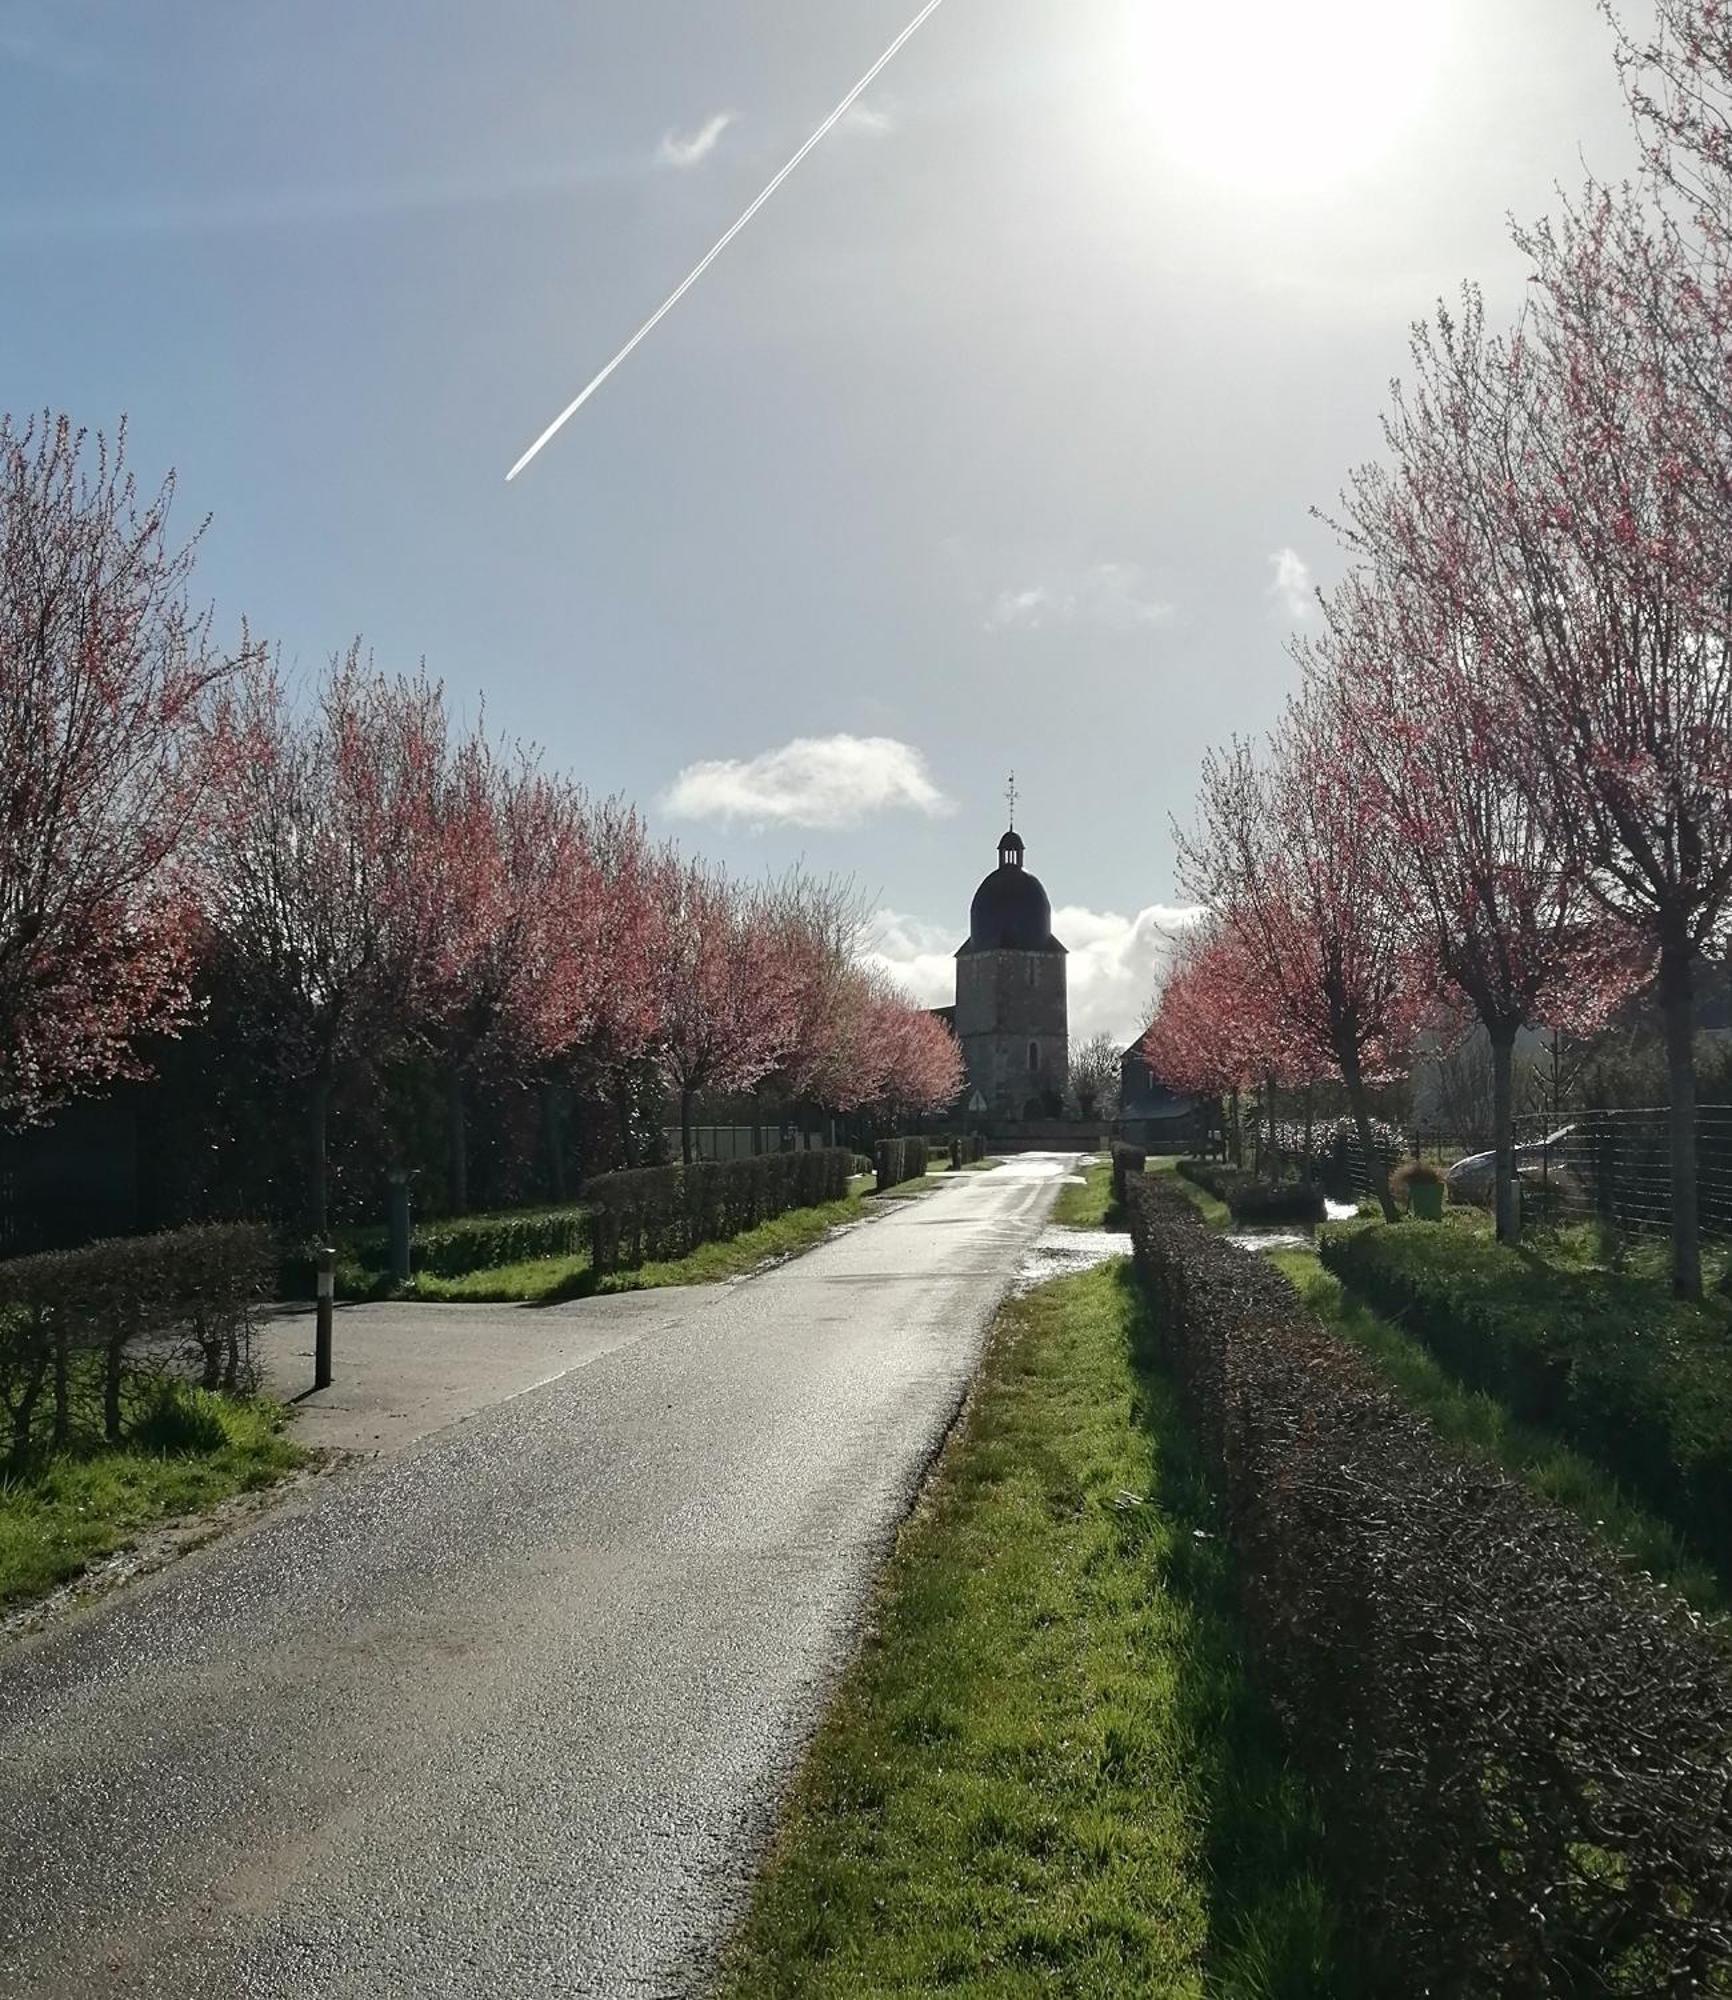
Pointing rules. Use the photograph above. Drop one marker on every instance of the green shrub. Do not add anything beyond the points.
(1631, 1377)
(195, 1288)
(658, 1213)
(1519, 1749)
(177, 1420)
(1126, 1160)
(1252, 1198)
(899, 1160)
(461, 1244)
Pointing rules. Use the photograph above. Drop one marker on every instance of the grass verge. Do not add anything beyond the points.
(1091, 1205)
(547, 1280)
(1210, 1207)
(1045, 1773)
(60, 1514)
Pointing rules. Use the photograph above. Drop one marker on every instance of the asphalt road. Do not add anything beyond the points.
(507, 1713)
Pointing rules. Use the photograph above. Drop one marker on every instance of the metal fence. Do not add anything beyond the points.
(1610, 1166)
(1615, 1167)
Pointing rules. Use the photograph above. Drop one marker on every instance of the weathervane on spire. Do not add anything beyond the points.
(1010, 793)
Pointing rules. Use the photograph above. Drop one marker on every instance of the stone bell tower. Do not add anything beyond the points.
(1012, 1017)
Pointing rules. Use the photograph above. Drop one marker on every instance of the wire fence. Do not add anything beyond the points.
(1615, 1167)
(1607, 1166)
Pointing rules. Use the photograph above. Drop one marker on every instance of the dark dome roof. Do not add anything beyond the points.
(1011, 910)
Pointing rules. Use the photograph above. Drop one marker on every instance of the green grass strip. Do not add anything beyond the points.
(59, 1515)
(1210, 1207)
(1088, 1206)
(1045, 1773)
(547, 1280)
(1480, 1422)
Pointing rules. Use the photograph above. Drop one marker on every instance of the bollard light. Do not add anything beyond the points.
(327, 1300)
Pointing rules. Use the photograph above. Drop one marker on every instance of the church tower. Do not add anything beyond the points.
(1011, 1014)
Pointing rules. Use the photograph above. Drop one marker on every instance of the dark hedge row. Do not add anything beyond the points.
(1250, 1198)
(967, 1151)
(1523, 1756)
(449, 1248)
(186, 1291)
(899, 1160)
(1631, 1377)
(1127, 1160)
(663, 1212)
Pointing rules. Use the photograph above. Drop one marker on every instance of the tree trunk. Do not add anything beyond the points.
(62, 1384)
(1677, 1001)
(1238, 1133)
(1269, 1114)
(1354, 1079)
(627, 1129)
(1310, 1125)
(319, 1180)
(686, 1097)
(553, 1126)
(1503, 1129)
(456, 1142)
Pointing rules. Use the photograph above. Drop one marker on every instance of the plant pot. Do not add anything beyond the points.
(1425, 1200)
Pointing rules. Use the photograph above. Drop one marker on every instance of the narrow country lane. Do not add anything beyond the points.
(507, 1714)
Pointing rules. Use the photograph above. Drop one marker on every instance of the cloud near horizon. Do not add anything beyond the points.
(1115, 962)
(687, 149)
(1114, 595)
(824, 782)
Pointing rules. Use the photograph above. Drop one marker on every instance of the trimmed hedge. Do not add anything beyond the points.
(1522, 1755)
(655, 1213)
(196, 1285)
(1631, 1377)
(1126, 1160)
(1250, 1198)
(465, 1243)
(899, 1160)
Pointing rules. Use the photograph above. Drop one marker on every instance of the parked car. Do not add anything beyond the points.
(1474, 1180)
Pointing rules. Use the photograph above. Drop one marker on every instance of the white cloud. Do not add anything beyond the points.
(1117, 596)
(919, 956)
(816, 781)
(686, 149)
(871, 119)
(1292, 584)
(1114, 965)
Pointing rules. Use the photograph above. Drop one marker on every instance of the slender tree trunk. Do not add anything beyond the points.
(1503, 1129)
(553, 1129)
(627, 1127)
(1677, 1001)
(456, 1142)
(1269, 1111)
(686, 1126)
(319, 1178)
(62, 1384)
(1310, 1127)
(112, 1371)
(1354, 1078)
(1238, 1133)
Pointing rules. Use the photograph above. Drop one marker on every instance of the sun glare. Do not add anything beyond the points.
(1279, 94)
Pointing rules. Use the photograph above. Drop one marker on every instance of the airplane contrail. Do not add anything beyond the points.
(655, 319)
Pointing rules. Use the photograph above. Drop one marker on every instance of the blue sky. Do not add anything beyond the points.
(992, 442)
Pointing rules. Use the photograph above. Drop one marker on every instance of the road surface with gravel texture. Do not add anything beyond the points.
(507, 1713)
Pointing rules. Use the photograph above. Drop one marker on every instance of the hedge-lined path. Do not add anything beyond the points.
(507, 1712)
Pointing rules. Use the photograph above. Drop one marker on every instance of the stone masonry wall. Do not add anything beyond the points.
(1009, 1003)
